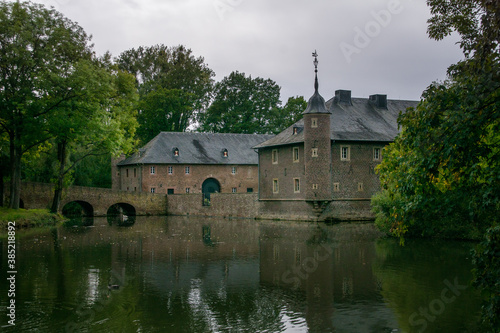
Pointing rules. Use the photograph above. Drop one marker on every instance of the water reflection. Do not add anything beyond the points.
(201, 275)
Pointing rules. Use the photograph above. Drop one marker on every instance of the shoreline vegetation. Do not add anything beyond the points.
(28, 218)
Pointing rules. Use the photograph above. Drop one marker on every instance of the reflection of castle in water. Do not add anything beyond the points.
(320, 275)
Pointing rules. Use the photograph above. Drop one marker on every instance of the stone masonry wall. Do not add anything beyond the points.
(144, 178)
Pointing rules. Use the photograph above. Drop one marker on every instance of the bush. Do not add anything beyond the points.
(487, 277)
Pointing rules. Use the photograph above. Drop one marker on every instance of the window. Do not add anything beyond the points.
(314, 152)
(249, 189)
(376, 154)
(176, 152)
(233, 170)
(187, 170)
(152, 170)
(135, 172)
(225, 153)
(170, 170)
(345, 153)
(188, 190)
(153, 190)
(336, 187)
(234, 190)
(315, 186)
(170, 191)
(275, 156)
(135, 189)
(360, 187)
(276, 187)
(314, 122)
(296, 154)
(295, 130)
(127, 173)
(296, 185)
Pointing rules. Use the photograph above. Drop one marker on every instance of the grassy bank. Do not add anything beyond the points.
(25, 218)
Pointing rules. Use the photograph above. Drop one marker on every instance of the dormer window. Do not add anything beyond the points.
(295, 130)
(175, 152)
(225, 153)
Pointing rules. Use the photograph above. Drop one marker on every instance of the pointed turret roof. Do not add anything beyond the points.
(316, 103)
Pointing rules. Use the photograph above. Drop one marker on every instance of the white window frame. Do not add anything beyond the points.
(152, 189)
(170, 170)
(377, 154)
(233, 170)
(336, 187)
(314, 122)
(188, 190)
(314, 152)
(187, 170)
(360, 187)
(152, 170)
(296, 154)
(276, 185)
(348, 153)
(234, 190)
(275, 156)
(296, 185)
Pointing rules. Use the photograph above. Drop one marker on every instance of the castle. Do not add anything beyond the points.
(323, 166)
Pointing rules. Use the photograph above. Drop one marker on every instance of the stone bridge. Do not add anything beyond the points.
(94, 201)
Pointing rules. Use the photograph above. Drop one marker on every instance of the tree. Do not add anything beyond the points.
(38, 46)
(242, 105)
(100, 121)
(442, 173)
(163, 110)
(290, 113)
(174, 87)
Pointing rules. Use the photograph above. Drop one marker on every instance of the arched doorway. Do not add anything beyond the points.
(210, 185)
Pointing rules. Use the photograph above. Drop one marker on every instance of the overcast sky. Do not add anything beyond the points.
(367, 46)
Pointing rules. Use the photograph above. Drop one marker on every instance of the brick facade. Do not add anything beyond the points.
(317, 157)
(186, 178)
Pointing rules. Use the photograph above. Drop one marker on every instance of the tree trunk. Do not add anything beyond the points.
(61, 157)
(15, 174)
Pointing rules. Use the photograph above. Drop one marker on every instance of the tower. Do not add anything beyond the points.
(317, 146)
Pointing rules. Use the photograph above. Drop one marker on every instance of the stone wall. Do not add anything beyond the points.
(236, 205)
(40, 195)
(134, 178)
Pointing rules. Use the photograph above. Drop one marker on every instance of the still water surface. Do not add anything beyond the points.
(178, 274)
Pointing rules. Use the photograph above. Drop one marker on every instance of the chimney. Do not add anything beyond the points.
(379, 101)
(343, 97)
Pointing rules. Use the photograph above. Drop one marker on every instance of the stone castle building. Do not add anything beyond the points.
(327, 159)
(323, 166)
(187, 163)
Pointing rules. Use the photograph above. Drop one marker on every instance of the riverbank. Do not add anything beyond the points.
(25, 218)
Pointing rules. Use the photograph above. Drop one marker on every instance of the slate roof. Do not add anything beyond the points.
(359, 120)
(198, 148)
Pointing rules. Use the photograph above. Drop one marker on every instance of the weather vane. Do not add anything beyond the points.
(315, 55)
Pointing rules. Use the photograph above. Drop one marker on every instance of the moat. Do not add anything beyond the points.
(185, 274)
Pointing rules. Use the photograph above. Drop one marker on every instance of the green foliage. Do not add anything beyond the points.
(486, 276)
(243, 105)
(28, 218)
(445, 164)
(174, 87)
(290, 113)
(443, 170)
(163, 110)
(39, 47)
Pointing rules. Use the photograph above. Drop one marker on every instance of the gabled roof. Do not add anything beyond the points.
(360, 120)
(198, 148)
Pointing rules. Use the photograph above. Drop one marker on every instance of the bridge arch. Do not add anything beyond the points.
(78, 208)
(121, 213)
